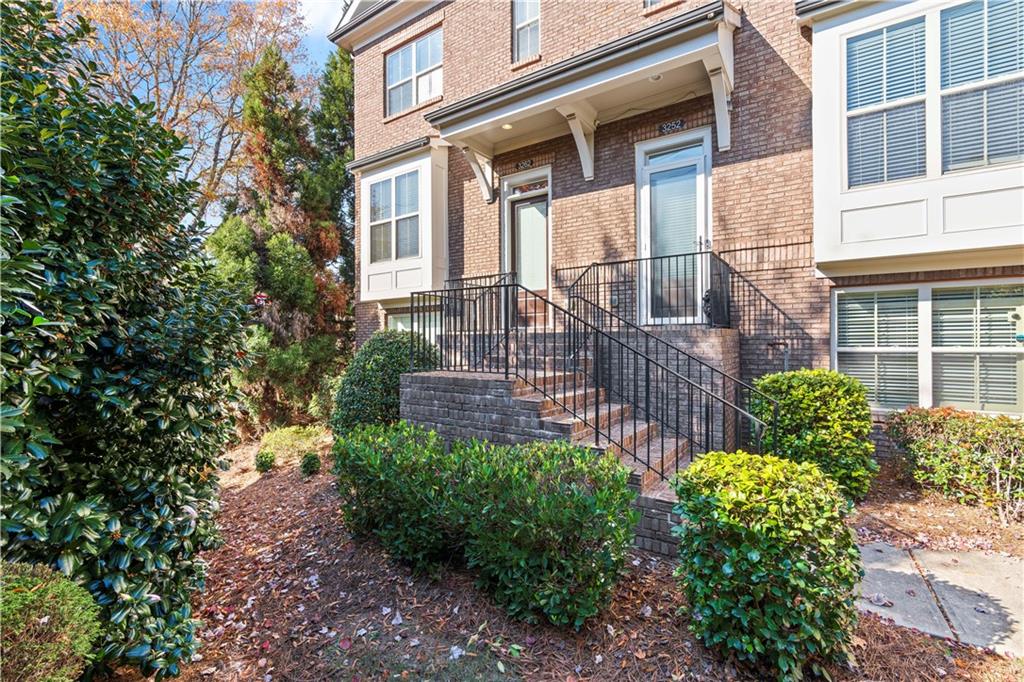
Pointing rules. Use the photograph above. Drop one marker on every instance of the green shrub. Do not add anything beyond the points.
(310, 464)
(265, 461)
(768, 566)
(290, 275)
(119, 342)
(49, 625)
(969, 457)
(398, 483)
(291, 441)
(369, 389)
(552, 529)
(233, 244)
(824, 418)
(547, 525)
(321, 403)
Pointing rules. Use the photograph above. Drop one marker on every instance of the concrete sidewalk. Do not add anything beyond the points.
(971, 597)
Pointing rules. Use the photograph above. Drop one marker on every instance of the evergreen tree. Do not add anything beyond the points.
(282, 248)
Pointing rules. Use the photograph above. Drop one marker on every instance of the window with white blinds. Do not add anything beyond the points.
(935, 344)
(413, 73)
(876, 342)
(885, 104)
(525, 29)
(394, 218)
(976, 360)
(982, 65)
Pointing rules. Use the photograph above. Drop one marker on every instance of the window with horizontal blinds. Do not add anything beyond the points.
(394, 218)
(886, 68)
(525, 29)
(982, 121)
(984, 319)
(413, 72)
(877, 338)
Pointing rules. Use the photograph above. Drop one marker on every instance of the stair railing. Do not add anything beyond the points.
(623, 398)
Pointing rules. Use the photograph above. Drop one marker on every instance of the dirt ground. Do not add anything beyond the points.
(898, 511)
(291, 596)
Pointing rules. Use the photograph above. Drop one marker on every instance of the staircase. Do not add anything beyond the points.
(579, 378)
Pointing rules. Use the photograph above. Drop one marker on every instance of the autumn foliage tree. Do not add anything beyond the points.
(282, 246)
(188, 58)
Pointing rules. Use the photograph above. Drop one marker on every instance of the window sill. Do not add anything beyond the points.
(523, 63)
(661, 7)
(412, 110)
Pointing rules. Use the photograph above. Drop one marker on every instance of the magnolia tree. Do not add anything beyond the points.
(118, 345)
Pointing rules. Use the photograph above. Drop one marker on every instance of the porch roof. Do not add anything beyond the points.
(684, 56)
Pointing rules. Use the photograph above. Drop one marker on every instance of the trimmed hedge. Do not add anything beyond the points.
(49, 625)
(768, 566)
(823, 418)
(368, 391)
(546, 525)
(971, 458)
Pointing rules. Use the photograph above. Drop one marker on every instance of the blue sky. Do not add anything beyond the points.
(321, 18)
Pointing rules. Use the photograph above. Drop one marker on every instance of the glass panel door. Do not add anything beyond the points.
(530, 242)
(672, 232)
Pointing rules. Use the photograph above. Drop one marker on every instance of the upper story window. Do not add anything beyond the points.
(414, 73)
(525, 29)
(975, 93)
(394, 218)
(885, 85)
(982, 57)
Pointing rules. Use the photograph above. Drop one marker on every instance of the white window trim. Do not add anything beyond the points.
(392, 221)
(932, 96)
(515, 34)
(925, 350)
(416, 73)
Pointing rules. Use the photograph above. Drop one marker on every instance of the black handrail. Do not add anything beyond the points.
(596, 289)
(625, 398)
(480, 280)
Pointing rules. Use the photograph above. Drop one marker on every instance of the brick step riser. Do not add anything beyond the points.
(605, 418)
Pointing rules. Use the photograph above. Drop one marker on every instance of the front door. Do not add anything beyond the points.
(530, 242)
(672, 232)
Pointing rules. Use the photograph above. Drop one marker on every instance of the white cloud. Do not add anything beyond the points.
(322, 15)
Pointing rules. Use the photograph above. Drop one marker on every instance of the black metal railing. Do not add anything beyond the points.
(684, 289)
(480, 280)
(623, 398)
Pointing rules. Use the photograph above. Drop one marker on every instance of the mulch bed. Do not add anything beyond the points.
(898, 511)
(291, 596)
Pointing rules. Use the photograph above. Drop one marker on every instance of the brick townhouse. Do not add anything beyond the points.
(855, 168)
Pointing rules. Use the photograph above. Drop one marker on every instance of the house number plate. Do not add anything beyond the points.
(525, 165)
(671, 126)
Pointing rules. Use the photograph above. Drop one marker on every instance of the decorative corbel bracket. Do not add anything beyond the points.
(582, 120)
(480, 162)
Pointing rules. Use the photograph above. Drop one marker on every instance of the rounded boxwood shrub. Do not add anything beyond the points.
(398, 484)
(971, 458)
(823, 417)
(49, 625)
(310, 464)
(551, 528)
(767, 564)
(118, 346)
(368, 392)
(265, 461)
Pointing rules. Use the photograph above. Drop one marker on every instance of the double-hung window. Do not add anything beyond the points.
(885, 104)
(877, 342)
(982, 61)
(414, 73)
(394, 218)
(525, 29)
(935, 345)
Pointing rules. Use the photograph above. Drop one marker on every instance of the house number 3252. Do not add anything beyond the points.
(671, 126)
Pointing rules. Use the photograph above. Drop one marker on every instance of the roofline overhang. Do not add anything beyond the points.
(672, 30)
(810, 11)
(392, 154)
(345, 28)
(376, 21)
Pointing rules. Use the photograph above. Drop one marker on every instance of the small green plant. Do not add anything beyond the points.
(547, 525)
(292, 441)
(965, 456)
(368, 392)
(767, 564)
(265, 461)
(310, 464)
(823, 417)
(49, 624)
(554, 530)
